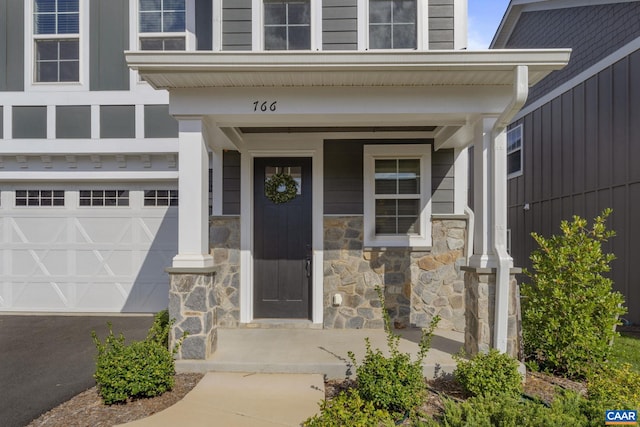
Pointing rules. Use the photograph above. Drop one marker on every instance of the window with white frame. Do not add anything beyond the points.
(397, 195)
(287, 25)
(104, 197)
(514, 152)
(393, 24)
(39, 197)
(160, 198)
(56, 36)
(162, 24)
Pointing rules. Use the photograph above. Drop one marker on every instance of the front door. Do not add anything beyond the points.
(282, 238)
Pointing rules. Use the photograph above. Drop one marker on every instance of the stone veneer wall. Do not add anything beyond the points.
(480, 291)
(192, 303)
(417, 284)
(224, 241)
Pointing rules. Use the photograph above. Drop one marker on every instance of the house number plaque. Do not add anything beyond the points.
(264, 106)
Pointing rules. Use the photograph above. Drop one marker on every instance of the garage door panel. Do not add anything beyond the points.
(83, 259)
(38, 229)
(104, 230)
(41, 295)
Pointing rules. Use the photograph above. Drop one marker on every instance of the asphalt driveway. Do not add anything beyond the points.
(45, 360)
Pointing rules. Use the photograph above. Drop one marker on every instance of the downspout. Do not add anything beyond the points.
(499, 168)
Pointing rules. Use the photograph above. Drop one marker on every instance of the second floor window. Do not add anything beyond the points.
(514, 152)
(287, 25)
(56, 34)
(162, 25)
(392, 24)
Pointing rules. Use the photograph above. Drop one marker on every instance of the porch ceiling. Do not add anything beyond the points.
(172, 70)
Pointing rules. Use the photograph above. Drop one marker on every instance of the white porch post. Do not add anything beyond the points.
(482, 240)
(193, 187)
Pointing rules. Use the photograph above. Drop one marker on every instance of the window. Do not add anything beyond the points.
(397, 188)
(514, 152)
(104, 198)
(287, 25)
(39, 197)
(392, 24)
(162, 25)
(161, 197)
(56, 34)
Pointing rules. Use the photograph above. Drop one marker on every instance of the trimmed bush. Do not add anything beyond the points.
(141, 369)
(395, 383)
(569, 311)
(349, 409)
(489, 374)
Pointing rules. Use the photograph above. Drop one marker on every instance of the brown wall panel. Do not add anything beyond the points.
(546, 155)
(556, 148)
(578, 138)
(566, 143)
(591, 134)
(633, 230)
(634, 114)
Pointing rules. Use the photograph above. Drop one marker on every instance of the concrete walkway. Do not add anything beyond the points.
(289, 367)
(316, 351)
(240, 399)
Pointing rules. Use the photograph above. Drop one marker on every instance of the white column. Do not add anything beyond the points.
(482, 194)
(193, 206)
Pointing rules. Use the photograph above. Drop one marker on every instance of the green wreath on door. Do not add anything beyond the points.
(281, 188)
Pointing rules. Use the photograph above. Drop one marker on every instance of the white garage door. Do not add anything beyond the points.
(90, 249)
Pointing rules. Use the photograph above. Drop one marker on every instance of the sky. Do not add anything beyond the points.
(484, 18)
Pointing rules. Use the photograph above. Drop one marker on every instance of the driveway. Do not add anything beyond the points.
(45, 360)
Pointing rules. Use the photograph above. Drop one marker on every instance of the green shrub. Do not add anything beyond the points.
(141, 369)
(613, 386)
(349, 409)
(395, 383)
(569, 311)
(490, 373)
(511, 411)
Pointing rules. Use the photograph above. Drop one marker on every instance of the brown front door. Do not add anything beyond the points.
(282, 242)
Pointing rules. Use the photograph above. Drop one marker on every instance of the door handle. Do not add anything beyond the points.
(307, 266)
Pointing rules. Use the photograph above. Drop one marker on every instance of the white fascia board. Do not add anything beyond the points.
(148, 96)
(84, 176)
(488, 60)
(83, 146)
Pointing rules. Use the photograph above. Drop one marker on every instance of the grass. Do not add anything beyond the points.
(626, 349)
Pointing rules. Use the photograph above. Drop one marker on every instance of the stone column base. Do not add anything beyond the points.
(192, 304)
(480, 287)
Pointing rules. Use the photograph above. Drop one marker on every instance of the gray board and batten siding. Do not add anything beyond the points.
(592, 32)
(581, 153)
(11, 45)
(109, 38)
(204, 29)
(29, 122)
(73, 121)
(343, 178)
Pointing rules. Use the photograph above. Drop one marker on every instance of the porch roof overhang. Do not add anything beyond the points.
(447, 90)
(178, 70)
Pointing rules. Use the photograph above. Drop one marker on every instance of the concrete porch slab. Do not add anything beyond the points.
(311, 351)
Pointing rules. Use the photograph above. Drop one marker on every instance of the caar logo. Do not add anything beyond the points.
(619, 418)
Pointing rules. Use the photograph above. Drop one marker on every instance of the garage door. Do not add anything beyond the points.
(90, 249)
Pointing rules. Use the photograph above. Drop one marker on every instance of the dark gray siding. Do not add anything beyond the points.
(231, 183)
(11, 45)
(593, 32)
(1, 122)
(29, 122)
(73, 121)
(158, 123)
(236, 25)
(580, 155)
(339, 25)
(442, 182)
(343, 177)
(117, 121)
(204, 28)
(109, 38)
(441, 24)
